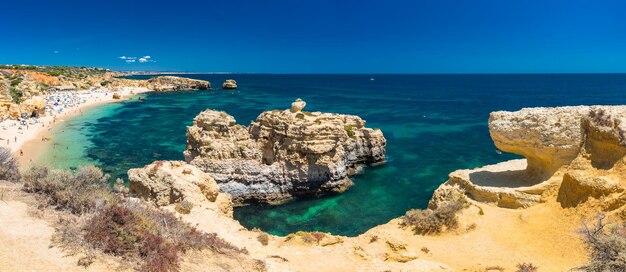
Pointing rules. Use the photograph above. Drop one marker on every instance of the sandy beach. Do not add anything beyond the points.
(25, 137)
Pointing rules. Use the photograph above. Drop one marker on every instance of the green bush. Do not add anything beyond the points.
(16, 81)
(350, 131)
(16, 95)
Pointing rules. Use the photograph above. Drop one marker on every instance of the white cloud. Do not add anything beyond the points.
(56, 51)
(143, 59)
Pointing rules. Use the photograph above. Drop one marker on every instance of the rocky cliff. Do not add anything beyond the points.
(172, 182)
(173, 83)
(573, 155)
(283, 154)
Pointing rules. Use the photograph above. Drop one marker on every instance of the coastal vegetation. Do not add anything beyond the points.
(437, 218)
(95, 220)
(56, 70)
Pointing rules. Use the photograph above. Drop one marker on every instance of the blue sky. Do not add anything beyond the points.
(435, 36)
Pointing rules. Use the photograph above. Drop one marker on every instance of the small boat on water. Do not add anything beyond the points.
(229, 84)
(372, 79)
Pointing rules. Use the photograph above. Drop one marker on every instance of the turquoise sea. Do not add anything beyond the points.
(434, 124)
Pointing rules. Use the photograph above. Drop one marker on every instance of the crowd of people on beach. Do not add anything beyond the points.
(57, 102)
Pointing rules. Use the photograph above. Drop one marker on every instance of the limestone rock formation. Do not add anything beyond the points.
(282, 154)
(173, 83)
(297, 105)
(229, 84)
(168, 182)
(547, 137)
(504, 184)
(574, 154)
(117, 96)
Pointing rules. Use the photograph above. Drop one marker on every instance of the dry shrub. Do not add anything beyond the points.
(527, 267)
(79, 192)
(9, 167)
(606, 246)
(100, 221)
(263, 238)
(148, 235)
(600, 117)
(184, 207)
(307, 237)
(433, 221)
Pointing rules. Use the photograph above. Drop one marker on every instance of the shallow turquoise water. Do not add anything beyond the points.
(434, 124)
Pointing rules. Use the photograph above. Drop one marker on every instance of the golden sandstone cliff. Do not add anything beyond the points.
(283, 154)
(573, 154)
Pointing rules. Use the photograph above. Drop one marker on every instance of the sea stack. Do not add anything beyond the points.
(229, 84)
(283, 154)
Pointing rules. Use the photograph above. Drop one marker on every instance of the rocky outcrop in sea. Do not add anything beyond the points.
(173, 83)
(229, 84)
(283, 154)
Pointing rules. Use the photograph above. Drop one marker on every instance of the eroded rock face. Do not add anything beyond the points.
(283, 153)
(547, 137)
(574, 154)
(173, 83)
(33, 107)
(168, 182)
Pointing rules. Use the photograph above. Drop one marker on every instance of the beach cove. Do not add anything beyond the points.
(26, 137)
